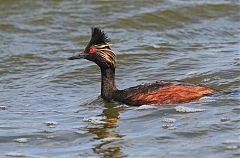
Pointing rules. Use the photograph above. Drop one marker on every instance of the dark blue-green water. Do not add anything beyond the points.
(50, 106)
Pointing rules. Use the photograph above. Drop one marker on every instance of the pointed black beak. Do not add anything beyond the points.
(79, 56)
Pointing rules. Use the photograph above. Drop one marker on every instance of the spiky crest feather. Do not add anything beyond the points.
(98, 37)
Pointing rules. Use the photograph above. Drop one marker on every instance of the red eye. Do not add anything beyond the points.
(92, 51)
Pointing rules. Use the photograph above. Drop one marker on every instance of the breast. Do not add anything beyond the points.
(170, 95)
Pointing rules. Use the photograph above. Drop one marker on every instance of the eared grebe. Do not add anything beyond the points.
(160, 92)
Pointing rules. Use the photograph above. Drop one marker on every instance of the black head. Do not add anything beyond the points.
(98, 50)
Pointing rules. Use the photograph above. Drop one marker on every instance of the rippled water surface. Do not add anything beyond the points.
(50, 107)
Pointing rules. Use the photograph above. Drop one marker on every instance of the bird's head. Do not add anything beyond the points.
(98, 50)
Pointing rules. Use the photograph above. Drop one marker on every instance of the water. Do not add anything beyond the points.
(50, 107)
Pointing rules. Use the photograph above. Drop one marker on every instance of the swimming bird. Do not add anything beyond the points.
(160, 92)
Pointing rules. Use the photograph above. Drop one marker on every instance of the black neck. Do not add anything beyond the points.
(108, 83)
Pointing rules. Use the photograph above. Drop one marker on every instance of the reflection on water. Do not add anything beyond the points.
(107, 134)
(194, 41)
